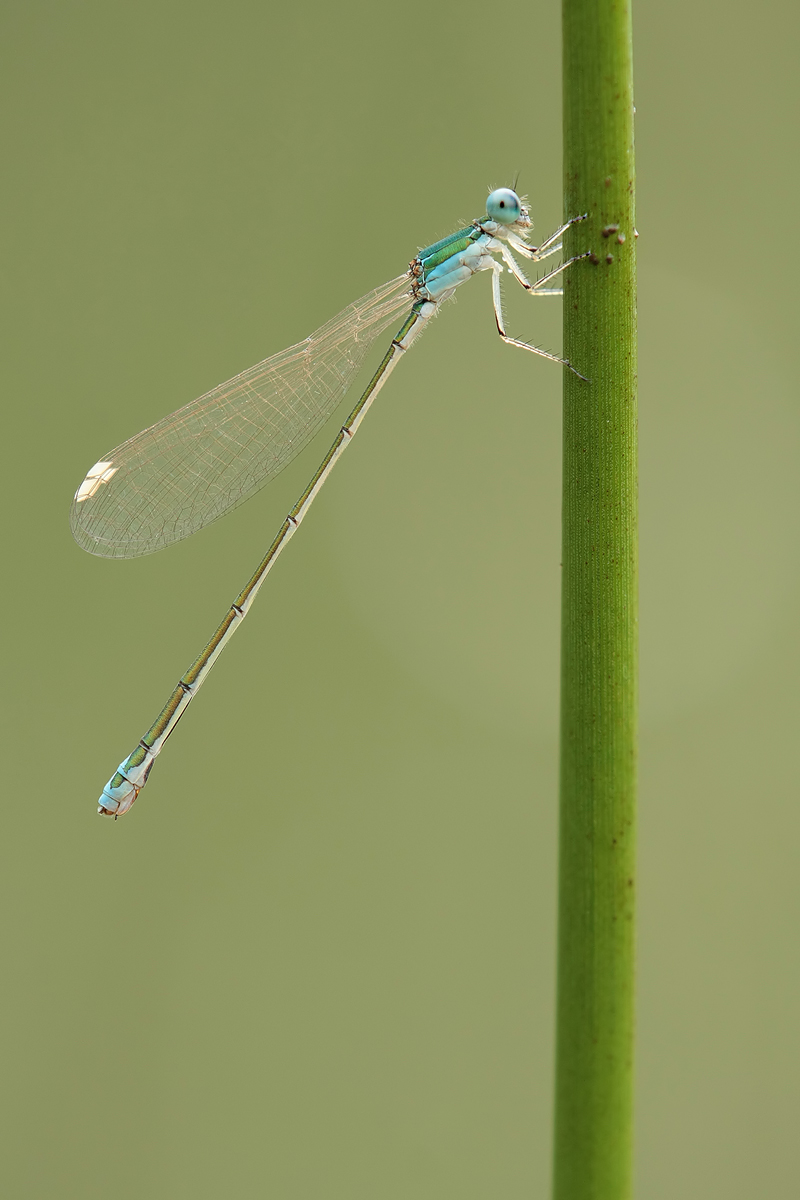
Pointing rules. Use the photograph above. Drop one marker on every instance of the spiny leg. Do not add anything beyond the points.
(547, 247)
(522, 278)
(515, 268)
(498, 316)
(532, 251)
(554, 237)
(536, 288)
(557, 270)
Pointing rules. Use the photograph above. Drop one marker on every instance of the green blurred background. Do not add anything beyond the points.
(318, 958)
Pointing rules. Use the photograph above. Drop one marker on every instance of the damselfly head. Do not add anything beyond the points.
(505, 207)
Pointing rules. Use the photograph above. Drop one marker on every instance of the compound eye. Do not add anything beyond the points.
(503, 206)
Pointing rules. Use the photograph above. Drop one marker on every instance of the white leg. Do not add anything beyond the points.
(557, 271)
(514, 267)
(547, 247)
(536, 289)
(532, 289)
(533, 251)
(498, 316)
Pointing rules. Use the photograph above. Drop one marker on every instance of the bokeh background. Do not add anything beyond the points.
(317, 960)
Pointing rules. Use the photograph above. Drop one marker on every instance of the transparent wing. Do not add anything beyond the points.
(209, 456)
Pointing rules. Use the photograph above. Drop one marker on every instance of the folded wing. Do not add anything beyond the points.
(208, 457)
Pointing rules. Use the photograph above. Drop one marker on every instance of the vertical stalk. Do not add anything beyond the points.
(593, 1104)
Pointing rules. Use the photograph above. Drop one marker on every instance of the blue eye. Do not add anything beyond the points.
(503, 206)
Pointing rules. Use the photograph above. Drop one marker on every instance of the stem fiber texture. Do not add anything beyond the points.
(595, 1009)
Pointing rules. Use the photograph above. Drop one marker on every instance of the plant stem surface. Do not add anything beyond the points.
(595, 1009)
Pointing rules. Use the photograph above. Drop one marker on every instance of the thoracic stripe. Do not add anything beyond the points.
(439, 252)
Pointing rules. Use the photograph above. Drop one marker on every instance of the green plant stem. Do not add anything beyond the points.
(594, 1043)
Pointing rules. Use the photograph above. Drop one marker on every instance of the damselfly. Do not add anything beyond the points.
(205, 459)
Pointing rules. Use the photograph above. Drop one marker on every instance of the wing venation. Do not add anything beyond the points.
(208, 457)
